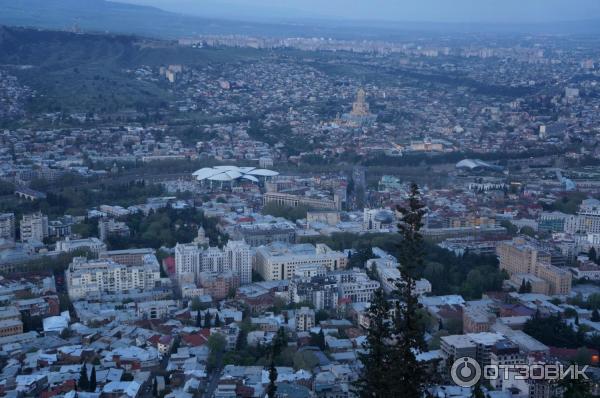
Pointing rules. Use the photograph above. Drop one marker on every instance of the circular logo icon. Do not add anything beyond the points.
(465, 372)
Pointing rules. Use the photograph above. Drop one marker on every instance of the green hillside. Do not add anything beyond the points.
(91, 72)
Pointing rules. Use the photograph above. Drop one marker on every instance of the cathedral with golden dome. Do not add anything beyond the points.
(360, 107)
(360, 114)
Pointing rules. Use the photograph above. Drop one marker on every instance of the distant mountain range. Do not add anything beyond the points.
(114, 17)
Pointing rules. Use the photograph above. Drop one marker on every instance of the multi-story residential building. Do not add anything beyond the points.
(60, 228)
(236, 257)
(355, 285)
(7, 226)
(478, 346)
(95, 277)
(218, 285)
(278, 261)
(505, 352)
(587, 219)
(389, 275)
(34, 227)
(213, 261)
(587, 270)
(321, 291)
(305, 319)
(187, 259)
(156, 309)
(309, 270)
(108, 227)
(39, 306)
(458, 346)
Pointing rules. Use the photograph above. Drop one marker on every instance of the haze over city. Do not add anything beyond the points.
(478, 11)
(299, 199)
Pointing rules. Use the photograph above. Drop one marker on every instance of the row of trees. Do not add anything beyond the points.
(84, 383)
(208, 320)
(291, 213)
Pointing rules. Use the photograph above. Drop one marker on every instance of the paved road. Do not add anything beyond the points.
(213, 378)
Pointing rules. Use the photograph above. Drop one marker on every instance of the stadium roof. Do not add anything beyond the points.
(476, 164)
(231, 173)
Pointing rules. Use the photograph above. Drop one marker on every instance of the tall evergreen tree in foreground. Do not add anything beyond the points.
(272, 388)
(391, 368)
(374, 380)
(407, 373)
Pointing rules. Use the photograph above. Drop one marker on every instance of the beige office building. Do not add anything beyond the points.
(285, 199)
(524, 257)
(278, 261)
(520, 256)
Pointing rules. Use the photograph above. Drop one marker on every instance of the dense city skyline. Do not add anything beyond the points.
(199, 207)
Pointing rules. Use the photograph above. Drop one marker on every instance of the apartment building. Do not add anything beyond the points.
(355, 285)
(7, 226)
(587, 219)
(187, 259)
(504, 353)
(96, 277)
(34, 227)
(478, 346)
(305, 319)
(218, 286)
(236, 257)
(109, 227)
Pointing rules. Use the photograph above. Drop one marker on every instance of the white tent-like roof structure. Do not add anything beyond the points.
(231, 173)
(476, 164)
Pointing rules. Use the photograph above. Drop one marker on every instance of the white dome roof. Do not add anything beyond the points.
(230, 173)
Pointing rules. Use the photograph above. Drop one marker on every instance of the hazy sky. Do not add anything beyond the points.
(518, 11)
